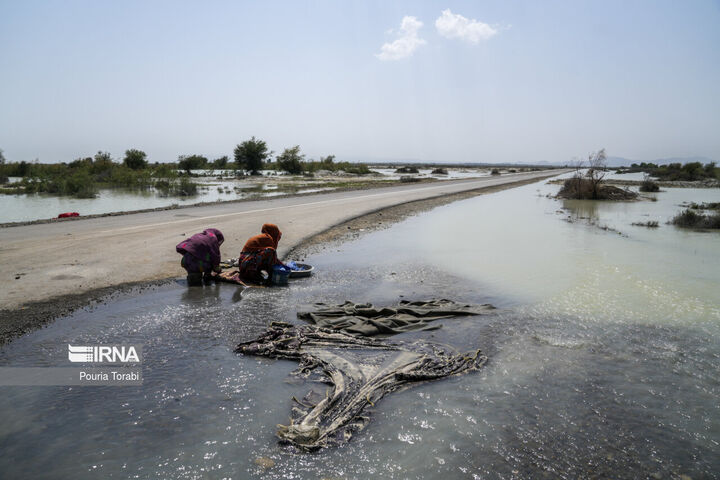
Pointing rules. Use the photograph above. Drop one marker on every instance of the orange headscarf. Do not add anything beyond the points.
(269, 237)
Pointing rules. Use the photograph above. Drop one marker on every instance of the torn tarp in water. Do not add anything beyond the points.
(359, 372)
(366, 319)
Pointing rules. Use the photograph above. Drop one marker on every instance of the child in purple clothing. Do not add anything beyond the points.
(201, 255)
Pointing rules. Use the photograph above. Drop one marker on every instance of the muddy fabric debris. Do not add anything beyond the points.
(359, 371)
(368, 320)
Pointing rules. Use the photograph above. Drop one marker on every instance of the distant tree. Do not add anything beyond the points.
(221, 163)
(251, 154)
(102, 157)
(81, 162)
(135, 159)
(191, 162)
(597, 161)
(23, 169)
(102, 165)
(3, 176)
(291, 160)
(327, 160)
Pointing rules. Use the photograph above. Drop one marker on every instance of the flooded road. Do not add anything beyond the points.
(604, 357)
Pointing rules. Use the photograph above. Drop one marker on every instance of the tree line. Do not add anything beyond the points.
(690, 171)
(84, 176)
(250, 156)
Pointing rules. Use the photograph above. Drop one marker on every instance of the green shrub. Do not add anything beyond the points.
(648, 185)
(688, 218)
(135, 159)
(251, 154)
(192, 162)
(291, 160)
(186, 188)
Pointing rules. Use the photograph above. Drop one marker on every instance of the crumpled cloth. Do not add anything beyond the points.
(368, 320)
(230, 276)
(359, 372)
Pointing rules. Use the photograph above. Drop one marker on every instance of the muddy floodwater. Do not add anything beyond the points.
(604, 357)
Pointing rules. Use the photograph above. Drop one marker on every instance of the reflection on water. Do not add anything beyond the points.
(27, 207)
(604, 360)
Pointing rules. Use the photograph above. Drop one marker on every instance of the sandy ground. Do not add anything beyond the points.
(48, 270)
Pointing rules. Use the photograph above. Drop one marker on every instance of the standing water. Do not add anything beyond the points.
(604, 357)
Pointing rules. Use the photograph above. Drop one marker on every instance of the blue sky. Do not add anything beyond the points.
(498, 81)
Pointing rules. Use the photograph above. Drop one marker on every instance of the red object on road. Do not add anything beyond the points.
(68, 214)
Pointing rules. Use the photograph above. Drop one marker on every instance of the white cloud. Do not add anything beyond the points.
(406, 43)
(452, 25)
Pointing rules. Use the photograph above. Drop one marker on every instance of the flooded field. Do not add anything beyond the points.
(35, 206)
(604, 357)
(213, 186)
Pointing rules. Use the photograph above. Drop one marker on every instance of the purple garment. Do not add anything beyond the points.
(204, 246)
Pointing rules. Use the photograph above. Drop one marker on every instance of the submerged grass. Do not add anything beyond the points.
(83, 178)
(689, 218)
(648, 185)
(649, 224)
(705, 206)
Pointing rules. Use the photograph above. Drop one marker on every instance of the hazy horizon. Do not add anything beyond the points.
(452, 82)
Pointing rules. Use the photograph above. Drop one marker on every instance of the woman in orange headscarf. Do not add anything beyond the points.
(260, 253)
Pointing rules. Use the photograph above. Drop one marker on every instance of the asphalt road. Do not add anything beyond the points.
(41, 261)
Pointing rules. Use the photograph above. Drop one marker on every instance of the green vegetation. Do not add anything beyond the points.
(83, 177)
(689, 218)
(250, 155)
(192, 162)
(3, 177)
(583, 188)
(705, 206)
(290, 160)
(135, 159)
(78, 183)
(648, 185)
(688, 172)
(294, 163)
(649, 224)
(590, 186)
(221, 163)
(186, 188)
(328, 163)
